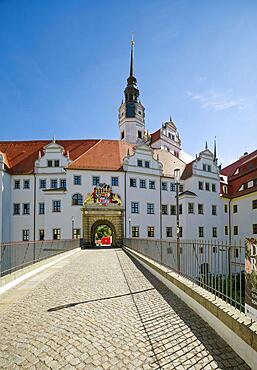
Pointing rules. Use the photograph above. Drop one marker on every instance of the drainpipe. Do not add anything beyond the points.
(161, 216)
(125, 201)
(229, 235)
(34, 218)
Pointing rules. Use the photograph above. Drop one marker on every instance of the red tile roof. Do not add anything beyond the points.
(230, 170)
(155, 136)
(188, 171)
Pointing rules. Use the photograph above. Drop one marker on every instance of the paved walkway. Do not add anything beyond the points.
(101, 310)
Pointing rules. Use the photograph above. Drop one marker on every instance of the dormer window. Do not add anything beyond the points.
(49, 163)
(140, 163)
(147, 164)
(53, 163)
(173, 137)
(139, 134)
(169, 135)
(122, 135)
(57, 163)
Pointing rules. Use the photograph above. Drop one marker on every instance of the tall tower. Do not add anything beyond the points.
(132, 112)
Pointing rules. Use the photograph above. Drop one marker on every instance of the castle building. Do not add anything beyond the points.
(62, 189)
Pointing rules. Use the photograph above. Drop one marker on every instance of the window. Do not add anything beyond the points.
(41, 208)
(134, 207)
(25, 235)
(236, 252)
(56, 234)
(16, 208)
(164, 209)
(142, 184)
(135, 231)
(77, 180)
(200, 209)
(254, 204)
(122, 135)
(16, 184)
(54, 183)
(26, 209)
(77, 200)
(214, 232)
(56, 163)
(214, 210)
(42, 183)
(225, 189)
(96, 180)
(225, 208)
(180, 209)
(254, 228)
(172, 209)
(26, 184)
(151, 184)
(147, 164)
(140, 163)
(214, 249)
(139, 134)
(235, 208)
(191, 208)
(235, 230)
(226, 230)
(150, 231)
(201, 231)
(63, 184)
(41, 234)
(49, 163)
(115, 181)
(181, 188)
(204, 167)
(207, 186)
(209, 168)
(150, 208)
(213, 187)
(133, 183)
(168, 232)
(200, 185)
(164, 186)
(172, 186)
(56, 206)
(181, 232)
(76, 234)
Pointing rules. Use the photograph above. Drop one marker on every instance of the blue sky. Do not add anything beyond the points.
(64, 64)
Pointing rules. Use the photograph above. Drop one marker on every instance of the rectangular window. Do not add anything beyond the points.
(96, 180)
(139, 134)
(41, 234)
(115, 181)
(214, 232)
(140, 163)
(26, 184)
(77, 180)
(207, 186)
(235, 208)
(191, 208)
(54, 183)
(172, 186)
(147, 164)
(150, 208)
(213, 187)
(56, 206)
(181, 188)
(181, 232)
(235, 230)
(209, 168)
(16, 208)
(164, 186)
(56, 163)
(25, 235)
(201, 231)
(42, 183)
(180, 209)
(16, 184)
(49, 163)
(56, 234)
(214, 210)
(200, 209)
(226, 230)
(168, 232)
(142, 184)
(135, 231)
(254, 204)
(200, 185)
(236, 252)
(26, 209)
(151, 184)
(204, 167)
(41, 208)
(254, 228)
(164, 209)
(172, 209)
(225, 208)
(150, 231)
(63, 183)
(76, 233)
(133, 183)
(134, 207)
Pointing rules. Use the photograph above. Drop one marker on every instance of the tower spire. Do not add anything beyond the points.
(132, 69)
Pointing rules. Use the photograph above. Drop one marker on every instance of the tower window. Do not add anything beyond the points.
(122, 135)
(139, 134)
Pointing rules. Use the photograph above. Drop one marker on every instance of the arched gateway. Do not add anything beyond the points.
(102, 209)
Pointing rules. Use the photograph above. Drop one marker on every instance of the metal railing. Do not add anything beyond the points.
(214, 265)
(17, 255)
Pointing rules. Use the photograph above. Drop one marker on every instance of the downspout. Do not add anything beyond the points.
(125, 209)
(229, 236)
(34, 218)
(161, 216)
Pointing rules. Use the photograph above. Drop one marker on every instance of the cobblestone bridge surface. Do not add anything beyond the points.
(101, 310)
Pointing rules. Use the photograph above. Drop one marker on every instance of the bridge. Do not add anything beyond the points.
(107, 309)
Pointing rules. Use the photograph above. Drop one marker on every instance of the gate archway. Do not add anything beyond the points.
(94, 230)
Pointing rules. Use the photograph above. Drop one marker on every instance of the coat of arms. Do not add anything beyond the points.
(103, 195)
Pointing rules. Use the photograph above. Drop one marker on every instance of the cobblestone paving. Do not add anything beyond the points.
(104, 311)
